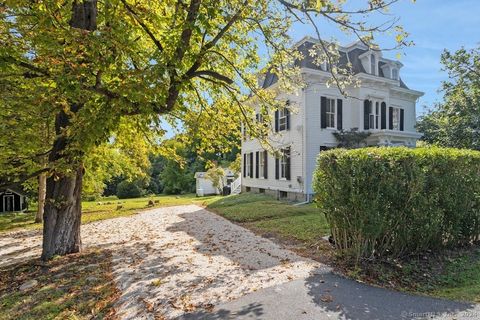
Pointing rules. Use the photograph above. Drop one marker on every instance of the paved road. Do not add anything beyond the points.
(328, 296)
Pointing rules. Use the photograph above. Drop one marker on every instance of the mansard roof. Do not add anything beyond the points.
(351, 53)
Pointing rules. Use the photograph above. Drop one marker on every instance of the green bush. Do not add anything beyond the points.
(393, 202)
(129, 189)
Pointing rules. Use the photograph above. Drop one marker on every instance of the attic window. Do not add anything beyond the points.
(373, 65)
(395, 74)
(325, 66)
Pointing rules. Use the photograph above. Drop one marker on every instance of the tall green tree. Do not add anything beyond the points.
(455, 122)
(94, 63)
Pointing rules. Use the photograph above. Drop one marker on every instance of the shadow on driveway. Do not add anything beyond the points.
(325, 295)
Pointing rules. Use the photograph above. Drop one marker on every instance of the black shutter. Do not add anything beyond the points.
(251, 164)
(287, 115)
(257, 117)
(276, 120)
(384, 116)
(390, 118)
(256, 164)
(287, 170)
(339, 114)
(277, 168)
(244, 165)
(265, 161)
(402, 119)
(366, 114)
(323, 112)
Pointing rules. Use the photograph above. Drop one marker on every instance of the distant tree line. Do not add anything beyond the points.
(167, 174)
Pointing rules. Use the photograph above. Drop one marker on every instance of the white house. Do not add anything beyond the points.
(382, 105)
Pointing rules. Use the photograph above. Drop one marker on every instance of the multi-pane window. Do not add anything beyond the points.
(248, 165)
(371, 116)
(259, 117)
(374, 115)
(284, 163)
(330, 113)
(282, 119)
(261, 164)
(395, 118)
(325, 66)
(395, 74)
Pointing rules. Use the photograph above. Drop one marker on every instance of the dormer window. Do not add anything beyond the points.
(395, 74)
(325, 66)
(373, 65)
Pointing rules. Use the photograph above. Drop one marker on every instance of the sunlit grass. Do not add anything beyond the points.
(282, 219)
(104, 209)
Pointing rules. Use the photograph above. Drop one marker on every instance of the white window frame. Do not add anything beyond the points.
(374, 114)
(247, 165)
(396, 118)
(261, 164)
(331, 115)
(283, 165)
(282, 119)
(325, 66)
(371, 115)
(259, 117)
(394, 73)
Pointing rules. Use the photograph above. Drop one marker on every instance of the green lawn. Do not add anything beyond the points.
(282, 219)
(460, 279)
(102, 209)
(451, 275)
(454, 275)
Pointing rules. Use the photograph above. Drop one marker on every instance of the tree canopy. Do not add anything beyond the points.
(455, 122)
(88, 66)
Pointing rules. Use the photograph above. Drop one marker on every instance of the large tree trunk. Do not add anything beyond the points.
(63, 204)
(63, 209)
(42, 188)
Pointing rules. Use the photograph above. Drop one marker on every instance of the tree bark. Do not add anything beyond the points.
(42, 188)
(63, 203)
(62, 217)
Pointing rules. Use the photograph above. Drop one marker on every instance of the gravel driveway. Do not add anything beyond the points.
(176, 260)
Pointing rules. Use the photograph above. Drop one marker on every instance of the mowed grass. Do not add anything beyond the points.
(279, 218)
(106, 208)
(446, 275)
(461, 278)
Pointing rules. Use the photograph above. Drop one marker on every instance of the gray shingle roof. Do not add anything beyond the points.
(352, 56)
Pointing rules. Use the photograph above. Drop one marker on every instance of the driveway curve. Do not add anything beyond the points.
(185, 262)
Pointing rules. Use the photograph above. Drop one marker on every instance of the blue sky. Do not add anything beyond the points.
(433, 25)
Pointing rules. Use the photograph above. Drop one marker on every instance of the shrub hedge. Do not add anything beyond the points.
(395, 201)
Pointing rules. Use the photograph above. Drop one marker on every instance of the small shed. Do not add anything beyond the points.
(12, 200)
(204, 186)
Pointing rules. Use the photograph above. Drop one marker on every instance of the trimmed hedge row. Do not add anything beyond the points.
(396, 201)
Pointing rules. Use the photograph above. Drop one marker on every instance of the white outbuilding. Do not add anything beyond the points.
(204, 186)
